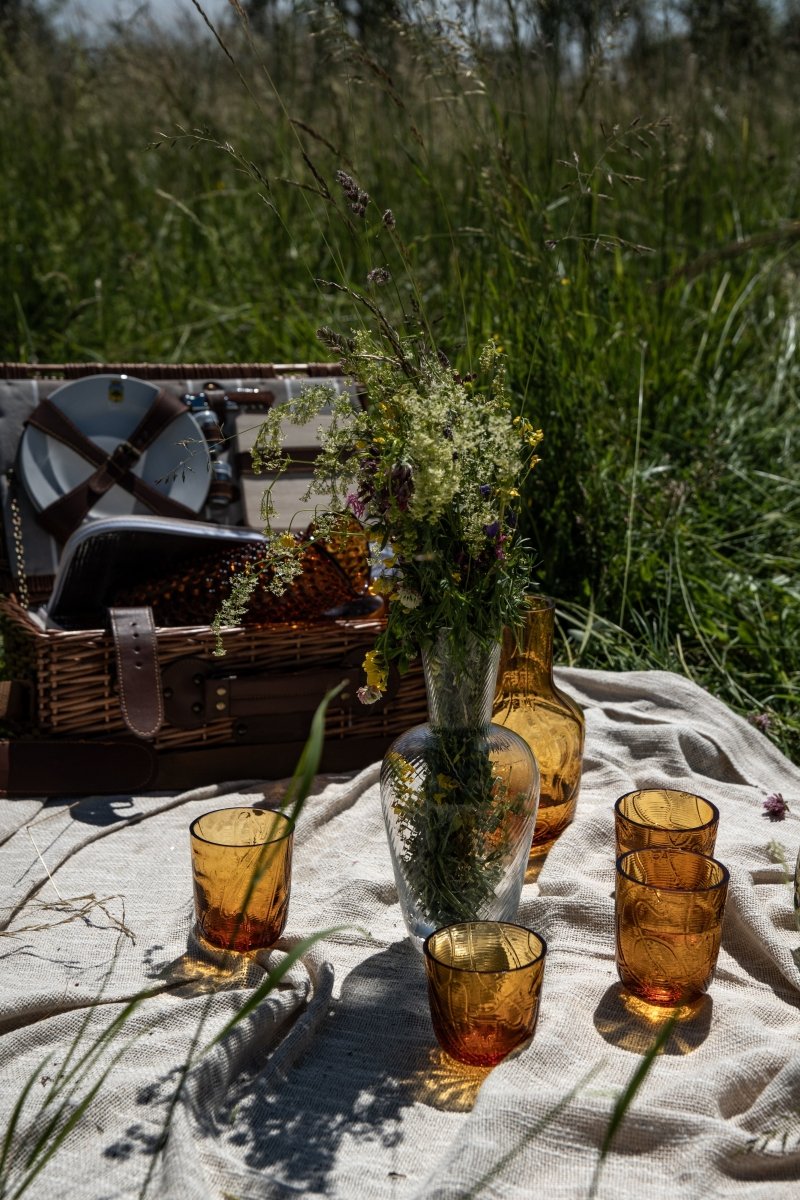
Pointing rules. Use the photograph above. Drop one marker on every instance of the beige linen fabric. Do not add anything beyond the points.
(334, 1086)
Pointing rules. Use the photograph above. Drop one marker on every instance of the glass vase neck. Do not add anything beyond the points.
(532, 643)
(460, 678)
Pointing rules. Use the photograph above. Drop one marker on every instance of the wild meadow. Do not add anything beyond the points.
(620, 213)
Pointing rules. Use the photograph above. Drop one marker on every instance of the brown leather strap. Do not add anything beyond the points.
(65, 514)
(197, 692)
(138, 676)
(183, 769)
(54, 768)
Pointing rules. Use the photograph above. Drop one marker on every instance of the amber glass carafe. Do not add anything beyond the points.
(528, 701)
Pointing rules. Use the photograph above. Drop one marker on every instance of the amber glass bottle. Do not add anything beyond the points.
(528, 701)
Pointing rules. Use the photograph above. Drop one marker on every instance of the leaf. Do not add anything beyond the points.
(311, 756)
(273, 979)
(626, 1099)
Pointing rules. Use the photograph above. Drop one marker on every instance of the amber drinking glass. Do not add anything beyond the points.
(669, 908)
(665, 817)
(484, 982)
(241, 864)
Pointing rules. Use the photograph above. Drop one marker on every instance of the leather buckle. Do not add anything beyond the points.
(121, 459)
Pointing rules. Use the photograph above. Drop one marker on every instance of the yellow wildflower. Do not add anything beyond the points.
(375, 671)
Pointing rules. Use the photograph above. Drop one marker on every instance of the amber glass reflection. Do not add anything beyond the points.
(528, 701)
(241, 863)
(669, 908)
(664, 817)
(484, 982)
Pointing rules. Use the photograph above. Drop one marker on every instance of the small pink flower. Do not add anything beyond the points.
(760, 720)
(368, 695)
(775, 807)
(356, 506)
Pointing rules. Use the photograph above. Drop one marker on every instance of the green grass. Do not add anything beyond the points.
(628, 235)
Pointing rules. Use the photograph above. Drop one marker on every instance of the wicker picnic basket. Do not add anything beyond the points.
(65, 686)
(243, 715)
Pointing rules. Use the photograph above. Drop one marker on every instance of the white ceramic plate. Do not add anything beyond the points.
(107, 409)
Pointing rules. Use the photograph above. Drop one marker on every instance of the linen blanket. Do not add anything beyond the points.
(333, 1086)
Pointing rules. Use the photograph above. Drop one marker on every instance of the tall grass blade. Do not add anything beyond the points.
(626, 1099)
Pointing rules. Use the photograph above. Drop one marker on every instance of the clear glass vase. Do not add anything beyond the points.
(529, 702)
(459, 798)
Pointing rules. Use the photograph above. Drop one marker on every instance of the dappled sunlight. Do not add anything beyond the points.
(633, 1025)
(444, 1083)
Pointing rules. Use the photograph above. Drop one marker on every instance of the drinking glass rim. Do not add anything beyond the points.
(242, 845)
(668, 828)
(538, 602)
(428, 953)
(666, 887)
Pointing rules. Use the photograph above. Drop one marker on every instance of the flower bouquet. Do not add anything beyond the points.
(431, 466)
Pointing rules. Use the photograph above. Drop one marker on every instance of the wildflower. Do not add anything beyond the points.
(368, 695)
(402, 485)
(334, 341)
(761, 721)
(382, 585)
(357, 507)
(492, 530)
(484, 490)
(375, 671)
(359, 199)
(378, 276)
(775, 807)
(408, 597)
(388, 219)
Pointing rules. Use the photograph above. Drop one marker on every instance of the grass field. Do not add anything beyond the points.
(628, 231)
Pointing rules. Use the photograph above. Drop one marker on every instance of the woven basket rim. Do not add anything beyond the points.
(149, 370)
(11, 607)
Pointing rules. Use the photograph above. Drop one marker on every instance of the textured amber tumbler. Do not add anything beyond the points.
(241, 863)
(669, 908)
(484, 983)
(665, 817)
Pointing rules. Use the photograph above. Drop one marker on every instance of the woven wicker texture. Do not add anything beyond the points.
(72, 673)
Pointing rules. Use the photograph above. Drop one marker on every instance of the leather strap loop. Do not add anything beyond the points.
(138, 675)
(65, 514)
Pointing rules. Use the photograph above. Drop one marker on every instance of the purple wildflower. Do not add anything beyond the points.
(358, 198)
(388, 219)
(378, 276)
(356, 505)
(775, 807)
(761, 721)
(484, 490)
(492, 530)
(402, 485)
